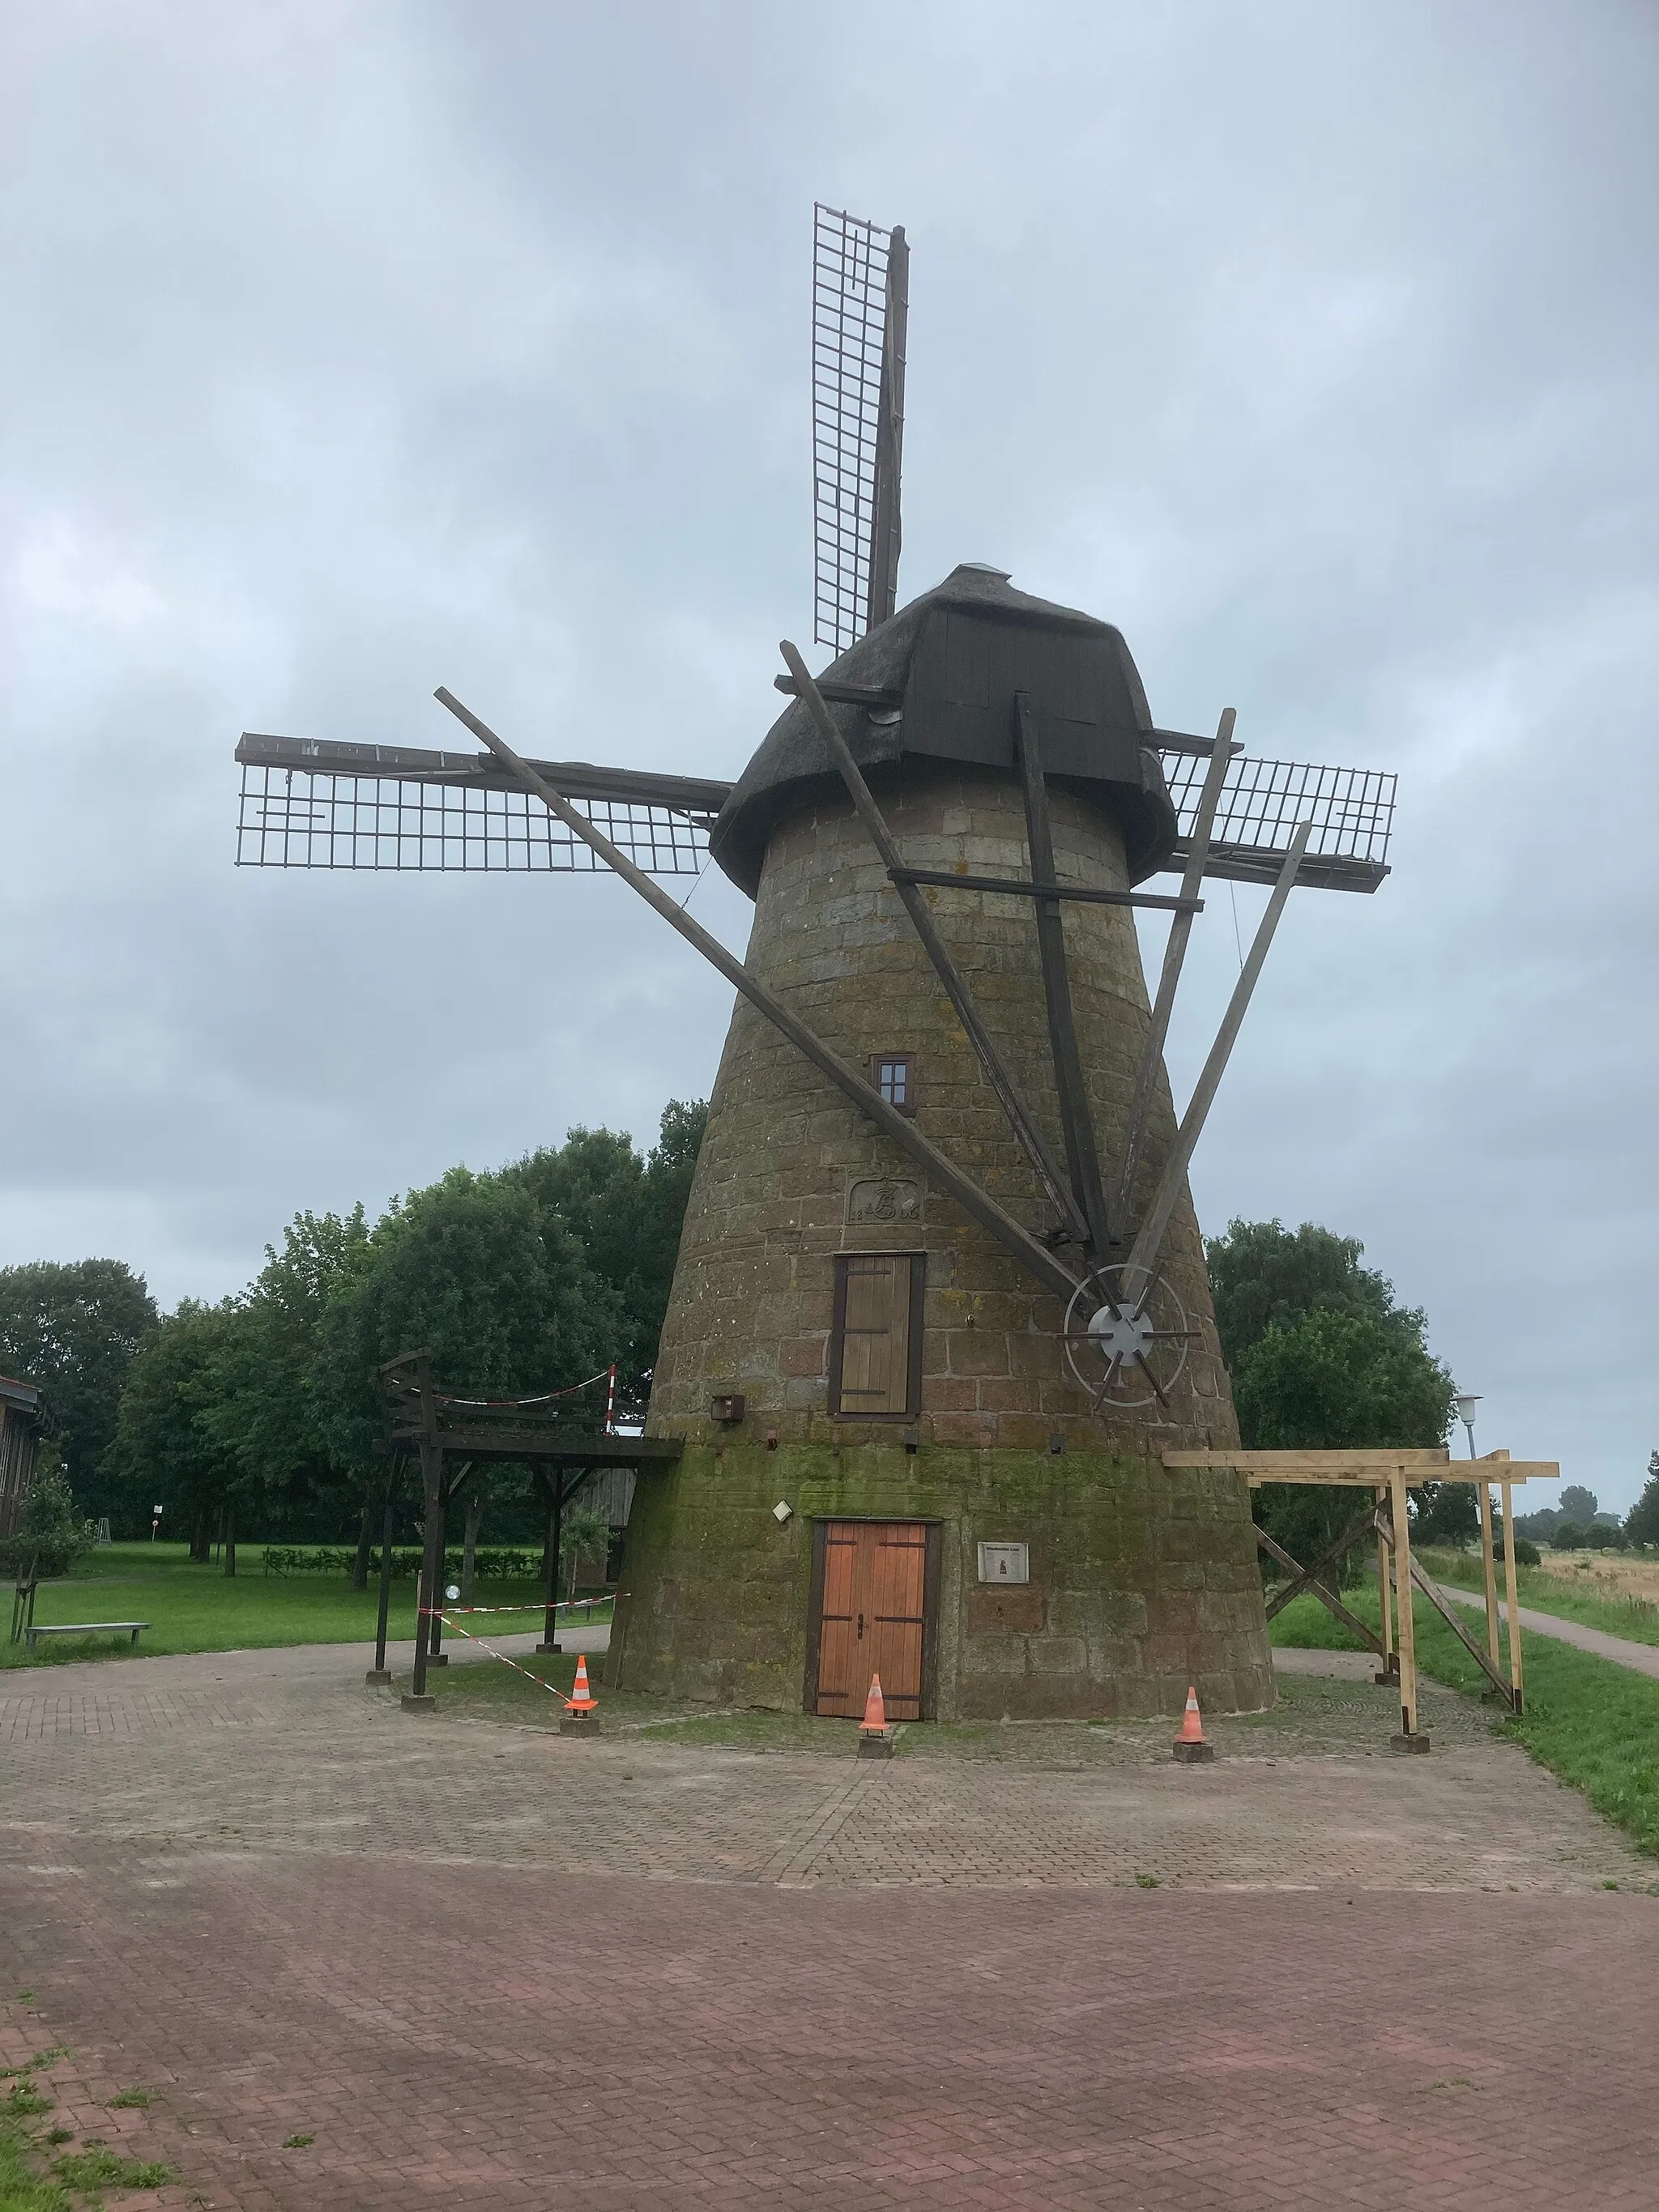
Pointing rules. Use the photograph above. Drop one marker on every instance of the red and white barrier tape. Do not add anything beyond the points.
(502, 1656)
(535, 1605)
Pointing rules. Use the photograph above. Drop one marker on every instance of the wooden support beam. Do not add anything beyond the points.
(1175, 955)
(1011, 887)
(1149, 1238)
(1431, 1590)
(1337, 1551)
(1390, 1671)
(1034, 1256)
(1332, 1605)
(1518, 1692)
(1400, 1521)
(995, 1070)
(1077, 1124)
(1489, 1574)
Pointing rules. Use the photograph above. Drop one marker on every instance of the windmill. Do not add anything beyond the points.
(941, 1298)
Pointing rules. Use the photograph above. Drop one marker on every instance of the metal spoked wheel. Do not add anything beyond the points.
(1127, 1334)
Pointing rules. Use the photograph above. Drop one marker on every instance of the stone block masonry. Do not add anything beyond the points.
(1005, 1444)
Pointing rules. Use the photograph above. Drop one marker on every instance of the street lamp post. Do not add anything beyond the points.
(1465, 1401)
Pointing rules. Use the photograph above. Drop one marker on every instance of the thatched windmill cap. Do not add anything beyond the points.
(950, 663)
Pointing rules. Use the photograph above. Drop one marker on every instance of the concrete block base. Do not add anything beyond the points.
(1192, 1755)
(549, 1651)
(1409, 1743)
(875, 1743)
(411, 1703)
(579, 1724)
(378, 1678)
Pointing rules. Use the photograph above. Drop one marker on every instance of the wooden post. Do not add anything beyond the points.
(1490, 1569)
(1518, 1695)
(379, 1672)
(550, 1641)
(1390, 1671)
(432, 1561)
(1410, 1737)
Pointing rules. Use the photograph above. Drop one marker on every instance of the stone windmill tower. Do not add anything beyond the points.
(941, 1302)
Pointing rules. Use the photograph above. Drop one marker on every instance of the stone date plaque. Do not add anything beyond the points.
(892, 1199)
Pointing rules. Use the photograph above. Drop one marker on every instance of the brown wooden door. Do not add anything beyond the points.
(871, 1622)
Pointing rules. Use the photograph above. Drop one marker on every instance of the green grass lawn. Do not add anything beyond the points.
(1592, 1723)
(1635, 1619)
(199, 1608)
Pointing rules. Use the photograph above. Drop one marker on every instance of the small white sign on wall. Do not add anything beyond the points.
(1005, 1563)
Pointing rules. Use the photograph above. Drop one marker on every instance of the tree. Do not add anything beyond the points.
(266, 1410)
(1568, 1537)
(166, 1449)
(1323, 1358)
(1577, 1503)
(1643, 1525)
(51, 1531)
(472, 1268)
(73, 1330)
(627, 1214)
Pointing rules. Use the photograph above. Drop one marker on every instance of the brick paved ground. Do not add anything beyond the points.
(486, 1968)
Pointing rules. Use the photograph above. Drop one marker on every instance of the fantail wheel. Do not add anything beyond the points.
(1127, 1334)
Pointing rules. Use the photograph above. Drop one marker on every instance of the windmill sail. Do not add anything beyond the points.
(860, 297)
(309, 802)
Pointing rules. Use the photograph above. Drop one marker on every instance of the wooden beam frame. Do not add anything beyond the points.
(1332, 1605)
(1034, 1256)
(1389, 1474)
(994, 1068)
(1149, 1238)
(1175, 955)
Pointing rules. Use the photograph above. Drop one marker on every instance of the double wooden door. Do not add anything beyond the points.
(872, 1620)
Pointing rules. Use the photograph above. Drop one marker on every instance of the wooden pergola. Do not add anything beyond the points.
(1386, 1476)
(552, 1437)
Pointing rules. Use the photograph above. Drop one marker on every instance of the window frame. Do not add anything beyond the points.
(907, 1061)
(917, 1259)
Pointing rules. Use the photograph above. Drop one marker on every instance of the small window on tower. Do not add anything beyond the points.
(893, 1075)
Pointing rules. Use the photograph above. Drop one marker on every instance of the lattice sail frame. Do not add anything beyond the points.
(318, 817)
(849, 333)
(315, 818)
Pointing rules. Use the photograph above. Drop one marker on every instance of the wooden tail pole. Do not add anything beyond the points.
(1048, 1171)
(1389, 1670)
(1149, 1241)
(1175, 955)
(1035, 1257)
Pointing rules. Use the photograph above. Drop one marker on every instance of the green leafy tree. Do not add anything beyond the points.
(1569, 1536)
(1577, 1503)
(1323, 1357)
(268, 1406)
(496, 1287)
(1641, 1525)
(168, 1449)
(627, 1214)
(73, 1331)
(51, 1531)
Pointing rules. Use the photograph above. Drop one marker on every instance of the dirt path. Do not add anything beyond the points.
(1640, 1658)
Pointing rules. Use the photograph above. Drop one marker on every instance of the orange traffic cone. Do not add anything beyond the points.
(579, 1716)
(1192, 1747)
(875, 1736)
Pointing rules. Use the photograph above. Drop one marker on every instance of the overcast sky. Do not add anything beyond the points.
(352, 348)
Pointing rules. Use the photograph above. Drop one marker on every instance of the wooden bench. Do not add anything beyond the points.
(132, 1628)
